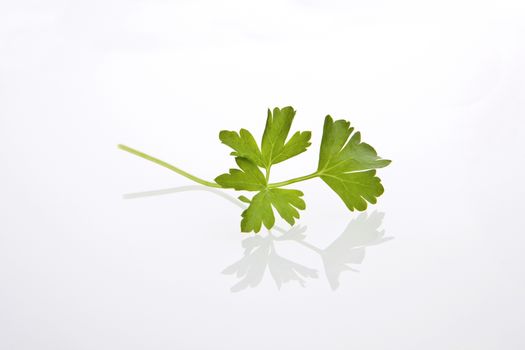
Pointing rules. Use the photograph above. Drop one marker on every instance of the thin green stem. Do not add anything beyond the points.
(168, 166)
(208, 183)
(267, 174)
(294, 180)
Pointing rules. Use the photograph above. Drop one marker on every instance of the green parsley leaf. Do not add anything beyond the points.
(297, 144)
(248, 178)
(260, 211)
(274, 147)
(244, 199)
(345, 165)
(285, 201)
(244, 145)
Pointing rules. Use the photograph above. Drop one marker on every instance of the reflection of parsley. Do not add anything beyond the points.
(346, 164)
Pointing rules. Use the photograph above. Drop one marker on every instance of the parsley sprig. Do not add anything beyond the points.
(346, 164)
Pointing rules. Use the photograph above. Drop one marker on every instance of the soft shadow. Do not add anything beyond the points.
(260, 253)
(349, 248)
(260, 250)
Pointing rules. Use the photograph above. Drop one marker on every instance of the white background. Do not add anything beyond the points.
(435, 86)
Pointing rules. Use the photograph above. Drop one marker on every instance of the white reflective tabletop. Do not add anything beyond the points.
(103, 250)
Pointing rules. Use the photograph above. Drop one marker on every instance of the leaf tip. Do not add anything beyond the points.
(244, 199)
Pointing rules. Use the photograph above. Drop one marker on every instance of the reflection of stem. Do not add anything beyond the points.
(278, 229)
(272, 245)
(185, 189)
(310, 246)
(221, 194)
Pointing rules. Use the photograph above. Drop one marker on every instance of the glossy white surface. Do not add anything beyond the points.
(91, 258)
